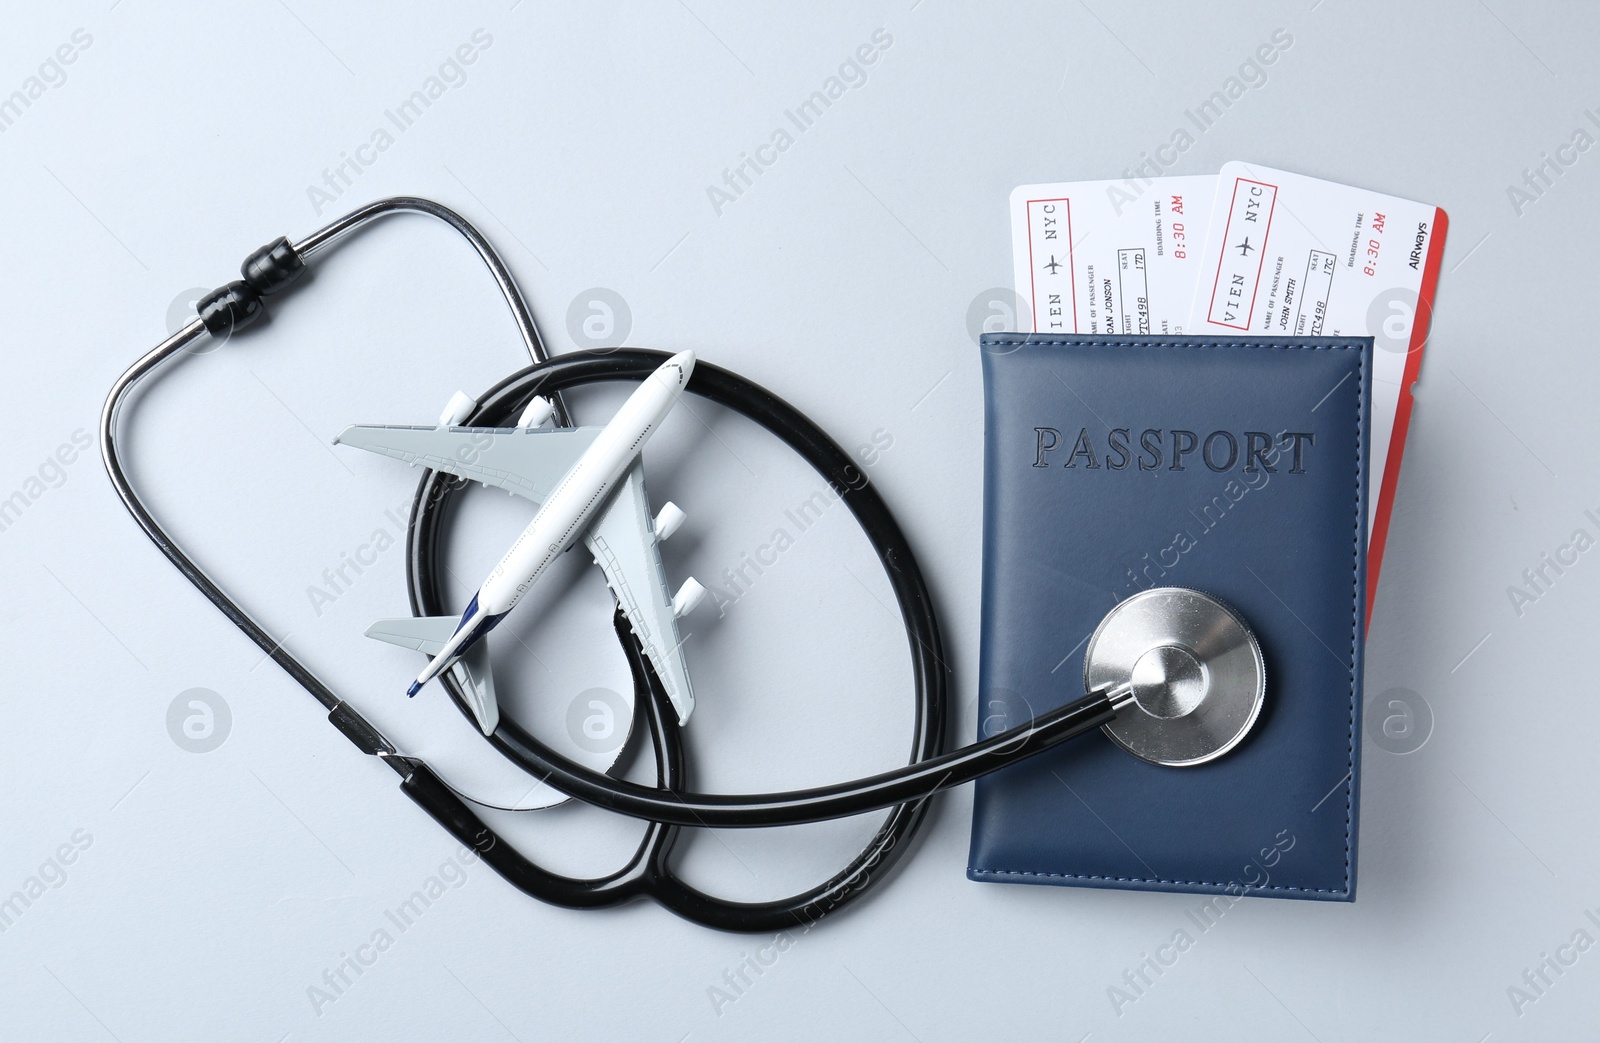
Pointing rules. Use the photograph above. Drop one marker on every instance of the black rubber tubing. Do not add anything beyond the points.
(928, 771)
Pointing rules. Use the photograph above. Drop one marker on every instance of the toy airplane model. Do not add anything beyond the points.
(589, 484)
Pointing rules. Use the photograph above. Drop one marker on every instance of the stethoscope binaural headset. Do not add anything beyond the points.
(1174, 676)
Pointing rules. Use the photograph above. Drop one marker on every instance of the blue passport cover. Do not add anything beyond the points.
(1235, 467)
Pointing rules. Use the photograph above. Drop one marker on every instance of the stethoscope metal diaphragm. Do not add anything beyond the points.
(1188, 672)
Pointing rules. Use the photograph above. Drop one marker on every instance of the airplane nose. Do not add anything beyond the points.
(684, 360)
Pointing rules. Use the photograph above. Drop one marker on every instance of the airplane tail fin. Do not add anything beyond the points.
(428, 635)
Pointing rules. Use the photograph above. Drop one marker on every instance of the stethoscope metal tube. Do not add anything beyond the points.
(331, 233)
(343, 716)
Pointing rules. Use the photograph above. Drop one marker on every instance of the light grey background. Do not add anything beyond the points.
(208, 892)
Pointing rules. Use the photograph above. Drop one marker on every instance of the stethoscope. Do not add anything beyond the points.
(1173, 676)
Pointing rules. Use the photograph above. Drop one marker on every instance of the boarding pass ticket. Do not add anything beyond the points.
(1250, 251)
(1110, 256)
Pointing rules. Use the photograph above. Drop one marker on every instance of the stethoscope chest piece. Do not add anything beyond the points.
(1174, 676)
(1195, 671)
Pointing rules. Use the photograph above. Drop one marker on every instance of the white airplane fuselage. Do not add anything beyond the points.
(565, 515)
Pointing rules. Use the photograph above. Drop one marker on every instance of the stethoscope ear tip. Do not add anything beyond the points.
(1184, 671)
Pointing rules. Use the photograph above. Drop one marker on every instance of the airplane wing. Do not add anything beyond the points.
(528, 463)
(624, 544)
(428, 634)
